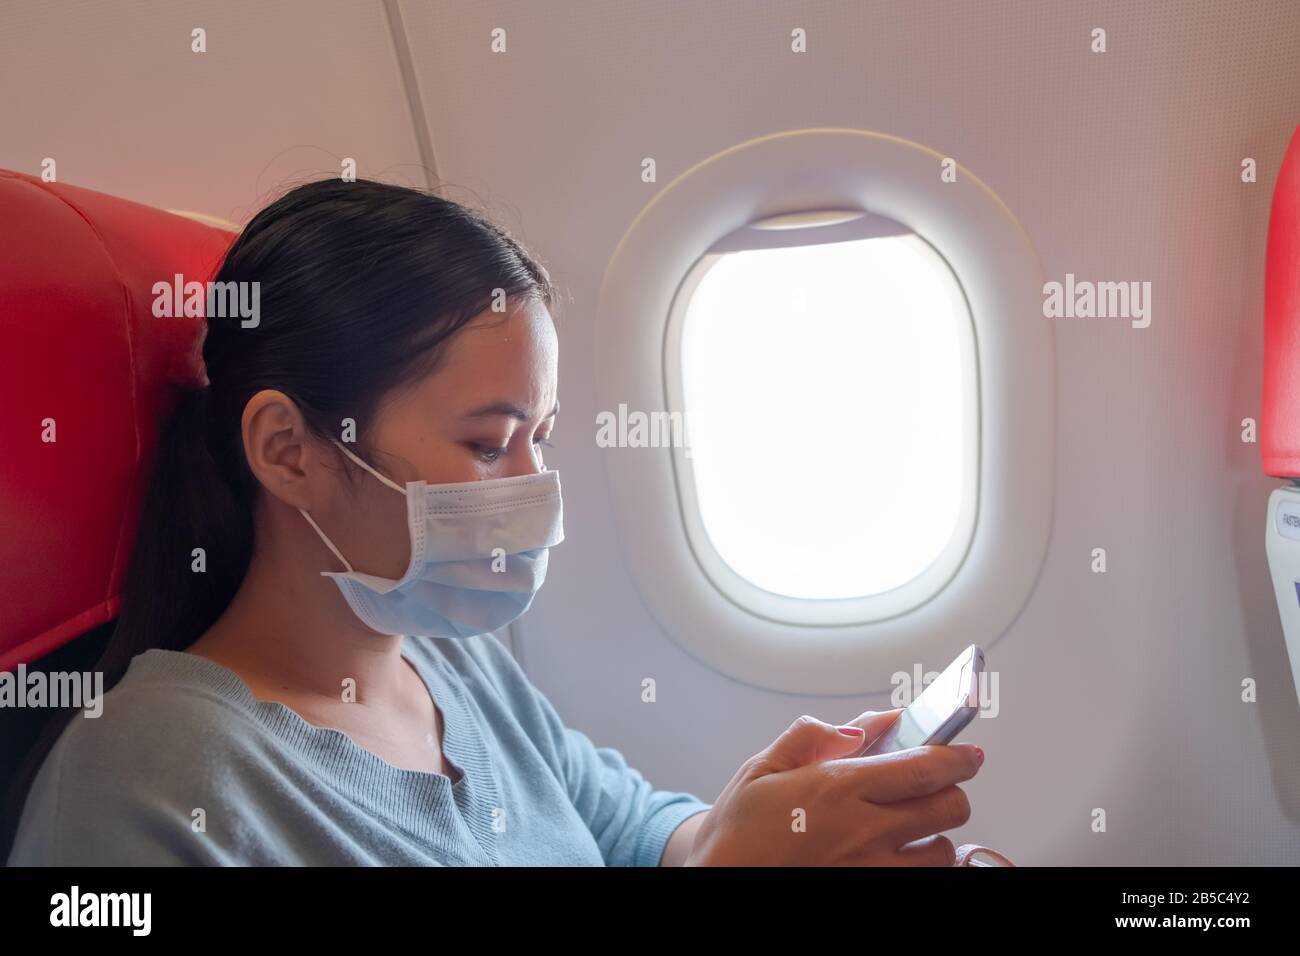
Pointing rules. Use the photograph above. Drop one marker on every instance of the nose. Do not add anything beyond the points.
(528, 463)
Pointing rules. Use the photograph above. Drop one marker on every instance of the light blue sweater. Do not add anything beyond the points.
(186, 767)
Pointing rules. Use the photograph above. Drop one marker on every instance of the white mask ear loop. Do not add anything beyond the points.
(330, 544)
(384, 478)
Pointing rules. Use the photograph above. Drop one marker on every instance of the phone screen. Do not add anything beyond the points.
(927, 715)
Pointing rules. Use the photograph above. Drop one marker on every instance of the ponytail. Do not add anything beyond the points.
(194, 544)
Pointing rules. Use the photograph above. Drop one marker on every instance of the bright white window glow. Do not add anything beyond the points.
(822, 387)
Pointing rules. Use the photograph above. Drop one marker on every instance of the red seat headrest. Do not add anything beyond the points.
(1279, 418)
(88, 365)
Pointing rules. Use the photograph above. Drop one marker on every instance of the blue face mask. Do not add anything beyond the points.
(478, 556)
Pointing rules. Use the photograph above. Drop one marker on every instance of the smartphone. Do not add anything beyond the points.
(941, 712)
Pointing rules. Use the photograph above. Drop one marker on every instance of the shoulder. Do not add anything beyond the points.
(169, 722)
(125, 786)
(152, 726)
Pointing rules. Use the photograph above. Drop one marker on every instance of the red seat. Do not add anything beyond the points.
(1279, 416)
(84, 352)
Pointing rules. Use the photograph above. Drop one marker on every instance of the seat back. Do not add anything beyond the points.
(90, 375)
(1279, 415)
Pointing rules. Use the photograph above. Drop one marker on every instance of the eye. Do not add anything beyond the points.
(542, 441)
(488, 453)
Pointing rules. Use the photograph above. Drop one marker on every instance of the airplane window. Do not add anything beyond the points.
(835, 404)
(824, 391)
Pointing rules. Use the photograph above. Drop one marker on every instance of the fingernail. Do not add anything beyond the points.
(979, 755)
(851, 731)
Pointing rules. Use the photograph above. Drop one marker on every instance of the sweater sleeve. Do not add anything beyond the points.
(630, 820)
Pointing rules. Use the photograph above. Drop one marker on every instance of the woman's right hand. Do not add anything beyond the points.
(809, 800)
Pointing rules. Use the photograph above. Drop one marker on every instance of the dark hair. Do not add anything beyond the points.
(361, 285)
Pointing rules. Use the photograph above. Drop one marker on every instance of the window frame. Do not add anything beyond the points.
(996, 265)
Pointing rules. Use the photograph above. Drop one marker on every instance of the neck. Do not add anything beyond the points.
(290, 629)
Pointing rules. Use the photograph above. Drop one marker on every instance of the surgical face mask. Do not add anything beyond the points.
(478, 556)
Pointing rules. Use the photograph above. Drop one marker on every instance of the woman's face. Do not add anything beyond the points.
(484, 413)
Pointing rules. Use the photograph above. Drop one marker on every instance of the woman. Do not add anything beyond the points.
(366, 463)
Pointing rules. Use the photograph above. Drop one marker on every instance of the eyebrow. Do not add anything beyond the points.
(508, 409)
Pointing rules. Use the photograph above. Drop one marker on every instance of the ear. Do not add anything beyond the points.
(278, 450)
